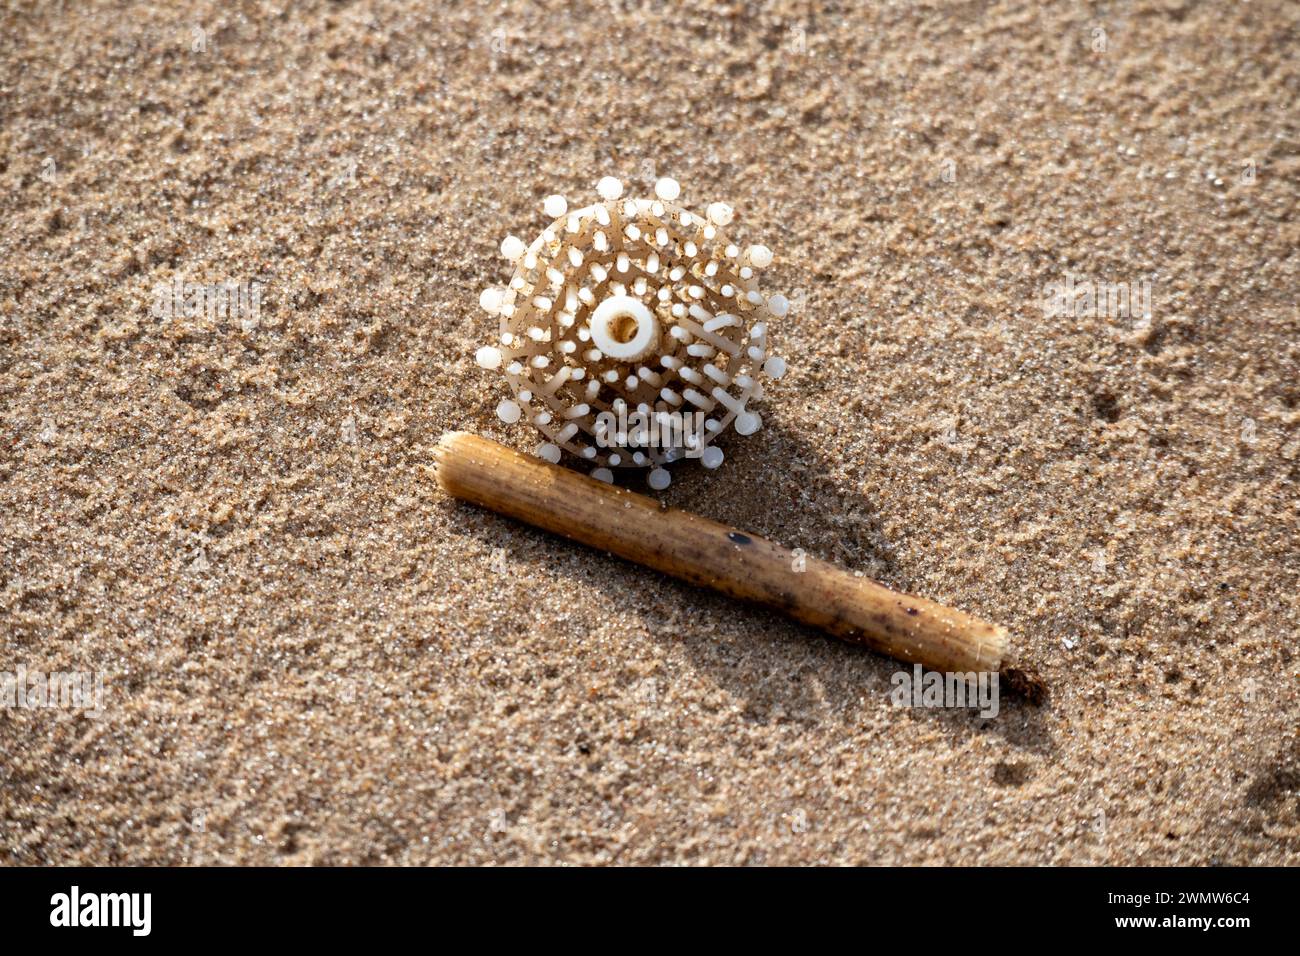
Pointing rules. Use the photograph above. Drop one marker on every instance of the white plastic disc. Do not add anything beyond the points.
(615, 313)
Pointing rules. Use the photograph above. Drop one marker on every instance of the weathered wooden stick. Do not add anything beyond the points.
(707, 553)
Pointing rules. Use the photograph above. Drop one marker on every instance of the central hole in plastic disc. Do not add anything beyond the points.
(623, 327)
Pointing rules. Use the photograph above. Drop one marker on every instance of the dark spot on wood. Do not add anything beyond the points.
(739, 538)
(784, 601)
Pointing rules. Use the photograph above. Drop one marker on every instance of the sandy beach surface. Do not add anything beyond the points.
(309, 654)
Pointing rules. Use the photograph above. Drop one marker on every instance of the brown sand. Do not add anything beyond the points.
(312, 655)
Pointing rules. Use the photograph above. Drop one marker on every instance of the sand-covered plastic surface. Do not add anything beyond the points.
(312, 655)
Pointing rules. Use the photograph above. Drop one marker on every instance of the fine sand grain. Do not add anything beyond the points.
(311, 655)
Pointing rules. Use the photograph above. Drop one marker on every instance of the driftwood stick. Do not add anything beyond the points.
(710, 554)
